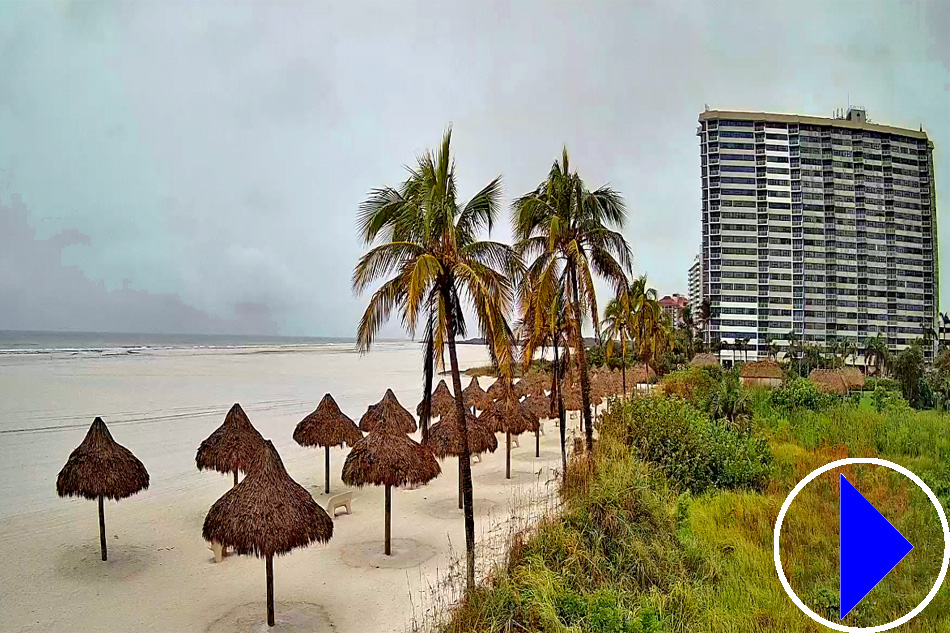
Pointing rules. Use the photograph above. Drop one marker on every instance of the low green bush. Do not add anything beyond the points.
(692, 451)
(801, 393)
(884, 399)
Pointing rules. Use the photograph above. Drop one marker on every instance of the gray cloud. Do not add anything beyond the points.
(217, 152)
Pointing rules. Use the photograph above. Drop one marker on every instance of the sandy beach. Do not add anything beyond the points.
(161, 576)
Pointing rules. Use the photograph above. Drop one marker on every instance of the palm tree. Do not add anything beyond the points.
(568, 233)
(773, 350)
(876, 353)
(705, 315)
(421, 236)
(645, 318)
(618, 324)
(944, 325)
(741, 345)
(544, 323)
(689, 325)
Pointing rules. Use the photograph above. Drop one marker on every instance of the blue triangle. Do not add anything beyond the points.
(870, 547)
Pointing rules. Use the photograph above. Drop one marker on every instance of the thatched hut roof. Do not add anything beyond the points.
(445, 436)
(509, 416)
(327, 426)
(475, 396)
(101, 467)
(704, 360)
(392, 459)
(762, 369)
(388, 415)
(268, 513)
(854, 377)
(640, 374)
(442, 401)
(233, 446)
(830, 380)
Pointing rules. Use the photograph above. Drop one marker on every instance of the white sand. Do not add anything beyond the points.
(160, 575)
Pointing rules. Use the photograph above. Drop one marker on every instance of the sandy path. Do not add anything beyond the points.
(161, 577)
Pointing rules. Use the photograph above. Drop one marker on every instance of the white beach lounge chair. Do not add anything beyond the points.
(342, 500)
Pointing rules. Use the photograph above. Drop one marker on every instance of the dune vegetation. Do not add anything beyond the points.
(670, 529)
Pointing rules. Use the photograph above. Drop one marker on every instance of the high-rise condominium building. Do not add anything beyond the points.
(822, 226)
(695, 287)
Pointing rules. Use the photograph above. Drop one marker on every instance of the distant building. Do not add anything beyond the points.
(695, 288)
(825, 227)
(674, 305)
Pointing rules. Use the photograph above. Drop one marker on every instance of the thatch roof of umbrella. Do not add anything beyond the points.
(762, 369)
(445, 436)
(854, 377)
(233, 446)
(640, 374)
(442, 401)
(532, 384)
(268, 513)
(509, 416)
(498, 389)
(572, 398)
(327, 426)
(384, 458)
(538, 405)
(101, 467)
(390, 413)
(475, 396)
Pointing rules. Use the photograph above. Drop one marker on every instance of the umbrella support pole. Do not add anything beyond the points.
(327, 476)
(235, 477)
(102, 530)
(537, 442)
(270, 590)
(507, 455)
(389, 516)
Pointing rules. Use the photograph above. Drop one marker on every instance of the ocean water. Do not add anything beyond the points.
(161, 395)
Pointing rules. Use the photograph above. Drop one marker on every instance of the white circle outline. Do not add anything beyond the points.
(778, 559)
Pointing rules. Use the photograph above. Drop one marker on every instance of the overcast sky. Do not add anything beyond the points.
(196, 167)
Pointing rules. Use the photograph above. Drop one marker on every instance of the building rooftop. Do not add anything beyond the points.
(854, 123)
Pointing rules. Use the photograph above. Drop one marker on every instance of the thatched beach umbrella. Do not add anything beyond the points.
(540, 407)
(441, 402)
(267, 514)
(498, 390)
(445, 439)
(474, 396)
(388, 457)
(232, 447)
(391, 411)
(510, 417)
(101, 468)
(327, 426)
(533, 384)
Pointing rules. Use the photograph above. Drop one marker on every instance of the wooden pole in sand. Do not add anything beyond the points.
(235, 477)
(537, 441)
(388, 550)
(328, 469)
(270, 590)
(102, 530)
(507, 455)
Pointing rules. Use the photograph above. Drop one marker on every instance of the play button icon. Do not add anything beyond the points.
(870, 547)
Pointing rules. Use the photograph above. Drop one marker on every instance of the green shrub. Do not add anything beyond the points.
(800, 393)
(692, 451)
(873, 382)
(885, 399)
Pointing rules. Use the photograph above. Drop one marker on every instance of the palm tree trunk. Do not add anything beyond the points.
(465, 464)
(389, 516)
(102, 530)
(582, 359)
(428, 371)
(270, 590)
(556, 393)
(623, 365)
(327, 474)
(461, 504)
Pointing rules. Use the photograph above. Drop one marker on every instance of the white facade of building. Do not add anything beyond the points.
(825, 227)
